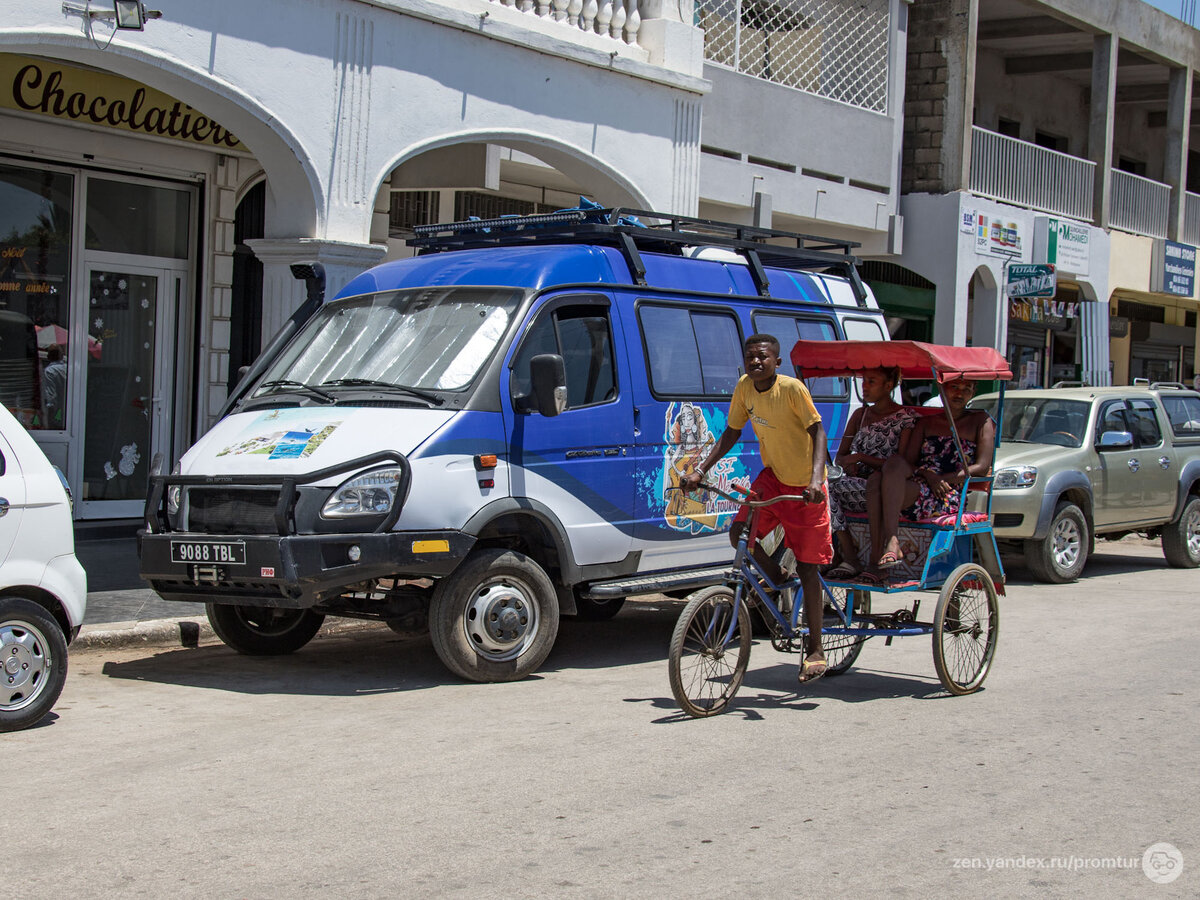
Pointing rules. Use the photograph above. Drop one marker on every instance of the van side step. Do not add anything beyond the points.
(658, 583)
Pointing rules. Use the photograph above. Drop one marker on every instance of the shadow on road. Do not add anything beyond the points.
(375, 661)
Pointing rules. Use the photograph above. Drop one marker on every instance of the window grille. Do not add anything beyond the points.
(835, 48)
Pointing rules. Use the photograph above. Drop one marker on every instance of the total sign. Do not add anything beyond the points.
(1063, 244)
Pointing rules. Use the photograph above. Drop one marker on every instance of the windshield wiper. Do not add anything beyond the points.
(385, 385)
(312, 389)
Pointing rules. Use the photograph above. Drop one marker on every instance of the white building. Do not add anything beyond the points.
(156, 184)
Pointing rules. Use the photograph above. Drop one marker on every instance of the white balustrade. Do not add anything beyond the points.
(1191, 219)
(620, 20)
(1025, 174)
(1139, 204)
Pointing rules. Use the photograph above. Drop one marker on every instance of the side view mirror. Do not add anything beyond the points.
(1115, 440)
(548, 374)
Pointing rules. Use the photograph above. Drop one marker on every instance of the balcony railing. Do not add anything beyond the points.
(1191, 219)
(1025, 174)
(1139, 204)
(617, 19)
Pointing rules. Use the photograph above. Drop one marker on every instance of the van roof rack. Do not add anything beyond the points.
(625, 229)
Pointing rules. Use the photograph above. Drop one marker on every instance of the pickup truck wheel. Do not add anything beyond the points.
(261, 630)
(1181, 538)
(1060, 557)
(495, 617)
(33, 663)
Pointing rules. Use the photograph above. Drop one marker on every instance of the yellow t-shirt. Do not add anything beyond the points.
(781, 417)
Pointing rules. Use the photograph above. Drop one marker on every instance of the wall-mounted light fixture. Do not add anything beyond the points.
(127, 15)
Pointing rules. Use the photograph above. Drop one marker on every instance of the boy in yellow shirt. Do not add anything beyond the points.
(791, 440)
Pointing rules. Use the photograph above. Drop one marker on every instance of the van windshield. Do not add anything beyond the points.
(431, 339)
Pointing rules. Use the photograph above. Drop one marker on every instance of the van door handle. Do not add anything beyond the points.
(637, 420)
(3, 506)
(1134, 465)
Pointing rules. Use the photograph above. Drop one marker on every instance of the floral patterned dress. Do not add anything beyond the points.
(938, 454)
(881, 438)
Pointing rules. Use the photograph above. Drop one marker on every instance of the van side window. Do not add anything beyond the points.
(691, 352)
(788, 330)
(1184, 413)
(582, 337)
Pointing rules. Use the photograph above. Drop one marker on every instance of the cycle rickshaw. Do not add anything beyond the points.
(955, 555)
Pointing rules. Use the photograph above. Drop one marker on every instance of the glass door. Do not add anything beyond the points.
(127, 376)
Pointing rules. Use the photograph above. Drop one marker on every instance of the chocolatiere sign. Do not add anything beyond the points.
(50, 88)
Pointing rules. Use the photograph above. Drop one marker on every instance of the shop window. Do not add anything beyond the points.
(35, 259)
(141, 219)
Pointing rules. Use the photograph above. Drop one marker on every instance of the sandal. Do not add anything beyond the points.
(889, 559)
(842, 572)
(806, 675)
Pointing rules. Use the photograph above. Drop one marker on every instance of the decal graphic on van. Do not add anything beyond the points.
(288, 434)
(688, 437)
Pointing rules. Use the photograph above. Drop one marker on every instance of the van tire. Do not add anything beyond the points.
(1181, 538)
(589, 610)
(1060, 556)
(263, 631)
(34, 643)
(495, 617)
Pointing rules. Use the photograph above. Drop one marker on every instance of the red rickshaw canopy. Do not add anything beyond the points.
(914, 359)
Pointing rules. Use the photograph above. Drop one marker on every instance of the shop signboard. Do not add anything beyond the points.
(1174, 269)
(1062, 244)
(1031, 280)
(993, 236)
(50, 88)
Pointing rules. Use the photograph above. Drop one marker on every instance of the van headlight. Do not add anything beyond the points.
(175, 493)
(1015, 477)
(369, 494)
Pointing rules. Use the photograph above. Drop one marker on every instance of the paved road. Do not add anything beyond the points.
(358, 767)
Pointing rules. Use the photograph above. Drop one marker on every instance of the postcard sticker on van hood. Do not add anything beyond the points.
(688, 436)
(285, 434)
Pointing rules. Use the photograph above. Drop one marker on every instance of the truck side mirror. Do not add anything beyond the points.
(548, 374)
(1115, 440)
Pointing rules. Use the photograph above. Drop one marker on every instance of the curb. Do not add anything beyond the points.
(182, 633)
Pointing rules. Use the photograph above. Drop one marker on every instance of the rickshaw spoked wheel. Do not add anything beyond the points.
(965, 628)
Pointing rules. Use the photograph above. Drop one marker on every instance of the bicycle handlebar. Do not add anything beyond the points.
(743, 501)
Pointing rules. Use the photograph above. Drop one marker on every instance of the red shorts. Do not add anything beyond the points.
(805, 525)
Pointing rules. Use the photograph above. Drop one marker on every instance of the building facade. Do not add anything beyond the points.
(156, 184)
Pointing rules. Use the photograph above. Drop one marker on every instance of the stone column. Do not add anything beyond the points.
(1100, 129)
(1179, 106)
(282, 293)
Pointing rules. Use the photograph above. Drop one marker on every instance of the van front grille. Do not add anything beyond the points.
(232, 510)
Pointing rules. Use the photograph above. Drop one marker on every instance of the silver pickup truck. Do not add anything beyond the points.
(1080, 462)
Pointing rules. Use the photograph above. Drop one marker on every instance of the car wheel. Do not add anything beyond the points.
(1060, 556)
(1181, 538)
(495, 617)
(33, 663)
(261, 630)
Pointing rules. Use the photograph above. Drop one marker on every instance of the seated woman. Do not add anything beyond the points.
(924, 480)
(872, 436)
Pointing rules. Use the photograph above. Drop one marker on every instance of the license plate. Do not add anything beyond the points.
(230, 553)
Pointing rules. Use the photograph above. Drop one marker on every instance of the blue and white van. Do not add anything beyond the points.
(485, 437)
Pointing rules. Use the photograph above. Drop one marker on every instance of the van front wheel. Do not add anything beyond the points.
(495, 617)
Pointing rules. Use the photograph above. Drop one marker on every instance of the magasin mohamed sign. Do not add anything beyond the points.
(52, 89)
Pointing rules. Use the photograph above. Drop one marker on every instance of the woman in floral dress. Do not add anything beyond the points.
(872, 436)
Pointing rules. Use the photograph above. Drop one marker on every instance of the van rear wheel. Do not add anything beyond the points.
(495, 617)
(261, 630)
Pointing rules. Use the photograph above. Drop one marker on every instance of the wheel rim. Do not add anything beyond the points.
(841, 650)
(710, 667)
(968, 630)
(1192, 532)
(270, 622)
(501, 620)
(25, 665)
(1067, 542)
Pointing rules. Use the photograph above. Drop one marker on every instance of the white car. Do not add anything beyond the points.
(43, 588)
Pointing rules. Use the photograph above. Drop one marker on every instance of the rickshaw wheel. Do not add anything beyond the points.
(841, 650)
(965, 628)
(706, 668)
